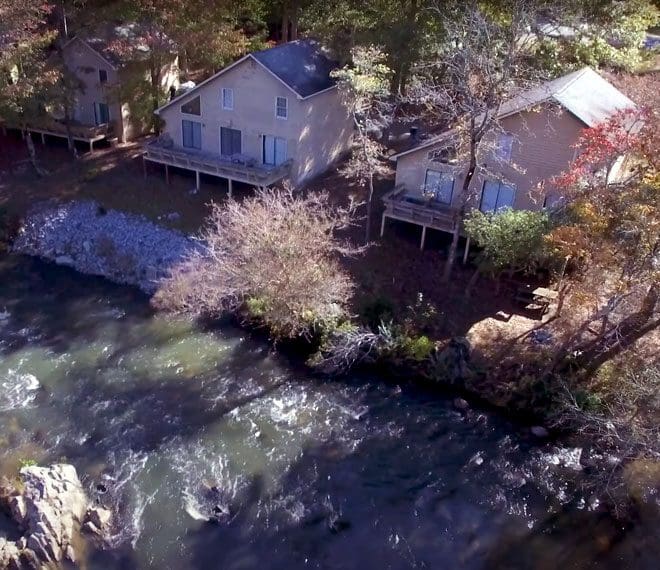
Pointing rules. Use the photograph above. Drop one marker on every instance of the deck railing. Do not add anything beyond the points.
(401, 205)
(237, 168)
(50, 126)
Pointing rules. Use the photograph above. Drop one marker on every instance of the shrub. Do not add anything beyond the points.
(274, 258)
(376, 311)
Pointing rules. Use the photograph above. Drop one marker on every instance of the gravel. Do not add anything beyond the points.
(124, 248)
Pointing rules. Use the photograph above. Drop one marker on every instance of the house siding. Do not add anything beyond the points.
(311, 130)
(542, 149)
(85, 62)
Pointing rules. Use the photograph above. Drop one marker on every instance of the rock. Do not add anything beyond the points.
(100, 517)
(64, 260)
(49, 511)
(125, 248)
(461, 404)
(451, 363)
(90, 528)
(539, 431)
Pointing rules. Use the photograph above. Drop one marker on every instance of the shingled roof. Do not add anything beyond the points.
(583, 93)
(301, 64)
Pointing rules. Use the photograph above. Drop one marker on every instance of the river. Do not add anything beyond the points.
(306, 473)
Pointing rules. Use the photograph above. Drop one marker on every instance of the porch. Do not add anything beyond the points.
(47, 126)
(401, 205)
(237, 168)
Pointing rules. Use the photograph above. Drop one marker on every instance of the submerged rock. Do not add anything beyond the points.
(539, 431)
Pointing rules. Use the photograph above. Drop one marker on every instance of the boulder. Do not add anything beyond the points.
(451, 363)
(49, 512)
(461, 404)
(539, 431)
(64, 260)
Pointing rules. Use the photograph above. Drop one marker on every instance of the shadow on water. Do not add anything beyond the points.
(351, 474)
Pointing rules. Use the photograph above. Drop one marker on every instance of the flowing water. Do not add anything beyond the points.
(171, 424)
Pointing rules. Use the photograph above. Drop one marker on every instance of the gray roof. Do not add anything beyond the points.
(583, 93)
(301, 64)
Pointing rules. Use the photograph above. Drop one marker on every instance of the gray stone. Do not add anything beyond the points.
(539, 431)
(461, 404)
(64, 260)
(74, 234)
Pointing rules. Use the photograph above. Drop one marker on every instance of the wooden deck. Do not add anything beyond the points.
(54, 128)
(400, 205)
(237, 169)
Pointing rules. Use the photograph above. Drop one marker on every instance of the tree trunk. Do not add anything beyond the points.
(621, 337)
(458, 218)
(155, 86)
(284, 32)
(367, 233)
(472, 283)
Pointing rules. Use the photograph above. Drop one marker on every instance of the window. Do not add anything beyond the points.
(227, 99)
(101, 113)
(274, 150)
(230, 141)
(103, 76)
(192, 134)
(440, 185)
(281, 108)
(192, 107)
(496, 196)
(504, 147)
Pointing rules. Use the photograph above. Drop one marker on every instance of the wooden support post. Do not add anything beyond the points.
(382, 225)
(421, 245)
(144, 168)
(197, 179)
(467, 251)
(229, 183)
(91, 146)
(43, 138)
(167, 174)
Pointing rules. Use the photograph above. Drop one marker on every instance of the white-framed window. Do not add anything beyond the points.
(439, 185)
(227, 99)
(504, 147)
(281, 107)
(274, 150)
(103, 76)
(496, 196)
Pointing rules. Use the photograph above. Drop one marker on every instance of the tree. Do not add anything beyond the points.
(510, 240)
(365, 91)
(612, 226)
(607, 33)
(481, 64)
(26, 80)
(274, 257)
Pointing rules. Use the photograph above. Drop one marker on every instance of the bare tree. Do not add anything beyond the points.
(273, 257)
(478, 68)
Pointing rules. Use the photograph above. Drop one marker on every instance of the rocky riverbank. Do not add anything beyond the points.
(125, 248)
(49, 507)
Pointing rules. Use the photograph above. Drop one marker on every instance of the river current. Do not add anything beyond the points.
(171, 423)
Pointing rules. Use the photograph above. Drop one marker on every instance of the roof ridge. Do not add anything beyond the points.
(578, 74)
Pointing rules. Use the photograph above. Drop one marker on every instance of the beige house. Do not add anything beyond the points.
(272, 115)
(108, 101)
(109, 77)
(533, 143)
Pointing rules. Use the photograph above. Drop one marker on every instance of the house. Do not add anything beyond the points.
(534, 143)
(112, 67)
(272, 115)
(115, 67)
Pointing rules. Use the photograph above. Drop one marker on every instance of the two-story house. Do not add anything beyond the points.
(272, 115)
(112, 67)
(534, 142)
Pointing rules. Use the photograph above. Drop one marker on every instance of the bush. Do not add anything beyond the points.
(272, 258)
